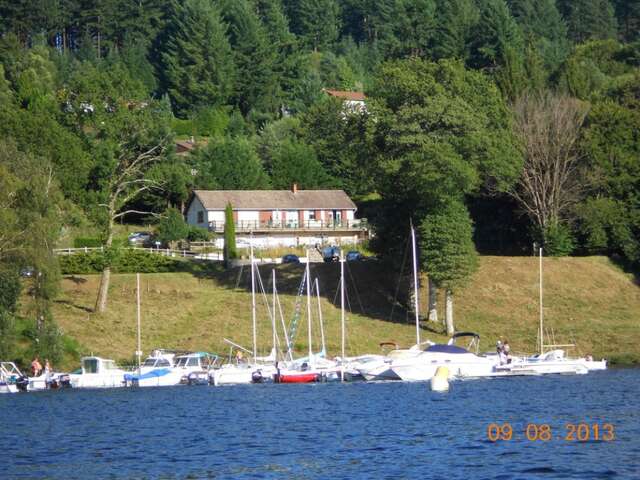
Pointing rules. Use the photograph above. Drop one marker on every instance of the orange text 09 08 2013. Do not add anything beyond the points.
(543, 432)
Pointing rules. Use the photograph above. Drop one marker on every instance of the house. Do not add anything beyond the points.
(353, 102)
(183, 147)
(280, 217)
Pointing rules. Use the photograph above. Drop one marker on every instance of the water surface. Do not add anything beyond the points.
(375, 430)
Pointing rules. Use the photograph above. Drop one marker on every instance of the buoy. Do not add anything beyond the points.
(440, 381)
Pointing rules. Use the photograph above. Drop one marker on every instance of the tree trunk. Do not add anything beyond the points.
(103, 291)
(449, 312)
(433, 292)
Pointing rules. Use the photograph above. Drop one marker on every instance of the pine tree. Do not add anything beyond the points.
(197, 59)
(455, 22)
(316, 22)
(254, 58)
(589, 19)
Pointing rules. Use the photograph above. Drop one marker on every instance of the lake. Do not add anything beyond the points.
(359, 430)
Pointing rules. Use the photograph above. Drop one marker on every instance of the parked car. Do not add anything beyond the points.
(331, 254)
(354, 256)
(27, 272)
(139, 238)
(290, 258)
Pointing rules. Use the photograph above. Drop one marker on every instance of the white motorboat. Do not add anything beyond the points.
(97, 372)
(163, 368)
(11, 378)
(459, 361)
(51, 380)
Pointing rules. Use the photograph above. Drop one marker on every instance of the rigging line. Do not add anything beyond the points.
(353, 282)
(395, 297)
(284, 328)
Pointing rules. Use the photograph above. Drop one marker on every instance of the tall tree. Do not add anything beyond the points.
(456, 20)
(229, 251)
(316, 22)
(549, 127)
(589, 19)
(197, 60)
(254, 58)
(447, 251)
(230, 163)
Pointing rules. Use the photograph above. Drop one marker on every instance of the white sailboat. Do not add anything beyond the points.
(554, 359)
(379, 367)
(252, 370)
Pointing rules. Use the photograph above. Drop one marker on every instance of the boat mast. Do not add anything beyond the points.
(342, 320)
(415, 283)
(309, 308)
(253, 303)
(541, 332)
(320, 316)
(139, 350)
(273, 318)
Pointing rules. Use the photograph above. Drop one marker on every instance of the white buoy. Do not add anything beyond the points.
(440, 381)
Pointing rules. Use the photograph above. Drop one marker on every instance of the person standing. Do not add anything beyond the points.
(36, 367)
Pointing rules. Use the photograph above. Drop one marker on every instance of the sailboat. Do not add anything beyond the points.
(554, 359)
(255, 369)
(379, 367)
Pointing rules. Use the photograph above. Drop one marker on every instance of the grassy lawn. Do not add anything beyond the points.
(588, 301)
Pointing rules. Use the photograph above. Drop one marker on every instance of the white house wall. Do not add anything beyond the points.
(192, 213)
(263, 241)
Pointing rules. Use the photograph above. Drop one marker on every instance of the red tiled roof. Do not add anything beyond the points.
(354, 96)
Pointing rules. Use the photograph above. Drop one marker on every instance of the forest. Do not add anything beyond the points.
(489, 124)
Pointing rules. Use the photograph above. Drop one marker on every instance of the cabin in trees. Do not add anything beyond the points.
(280, 217)
(352, 101)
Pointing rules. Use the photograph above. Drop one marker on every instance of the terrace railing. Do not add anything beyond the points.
(359, 224)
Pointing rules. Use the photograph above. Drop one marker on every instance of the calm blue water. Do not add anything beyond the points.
(383, 430)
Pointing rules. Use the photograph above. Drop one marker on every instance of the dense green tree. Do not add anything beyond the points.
(296, 162)
(315, 22)
(456, 20)
(441, 131)
(588, 19)
(447, 251)
(628, 17)
(9, 292)
(498, 46)
(415, 25)
(543, 29)
(172, 227)
(230, 163)
(339, 138)
(197, 60)
(254, 57)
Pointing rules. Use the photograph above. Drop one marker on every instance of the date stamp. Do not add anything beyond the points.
(543, 432)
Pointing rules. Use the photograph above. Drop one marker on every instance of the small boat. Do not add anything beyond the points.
(11, 378)
(49, 381)
(97, 372)
(165, 368)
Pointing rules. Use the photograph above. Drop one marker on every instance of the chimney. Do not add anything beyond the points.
(294, 188)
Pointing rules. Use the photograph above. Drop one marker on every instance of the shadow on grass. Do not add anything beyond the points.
(372, 287)
(71, 304)
(627, 267)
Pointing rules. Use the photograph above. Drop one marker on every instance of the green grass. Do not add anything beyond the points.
(588, 301)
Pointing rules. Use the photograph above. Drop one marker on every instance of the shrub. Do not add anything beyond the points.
(558, 240)
(199, 234)
(88, 242)
(125, 261)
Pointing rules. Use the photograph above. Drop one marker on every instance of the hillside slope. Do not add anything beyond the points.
(587, 301)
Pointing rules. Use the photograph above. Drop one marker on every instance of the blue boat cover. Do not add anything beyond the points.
(438, 347)
(158, 372)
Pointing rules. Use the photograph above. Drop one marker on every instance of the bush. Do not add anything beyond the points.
(199, 234)
(88, 242)
(558, 240)
(123, 261)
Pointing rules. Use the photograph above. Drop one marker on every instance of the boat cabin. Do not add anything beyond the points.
(93, 365)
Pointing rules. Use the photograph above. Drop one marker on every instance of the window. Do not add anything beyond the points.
(312, 214)
(193, 362)
(200, 216)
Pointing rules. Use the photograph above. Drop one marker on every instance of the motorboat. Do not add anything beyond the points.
(49, 380)
(165, 368)
(460, 362)
(97, 372)
(11, 378)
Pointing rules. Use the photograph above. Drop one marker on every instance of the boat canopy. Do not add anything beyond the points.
(439, 348)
